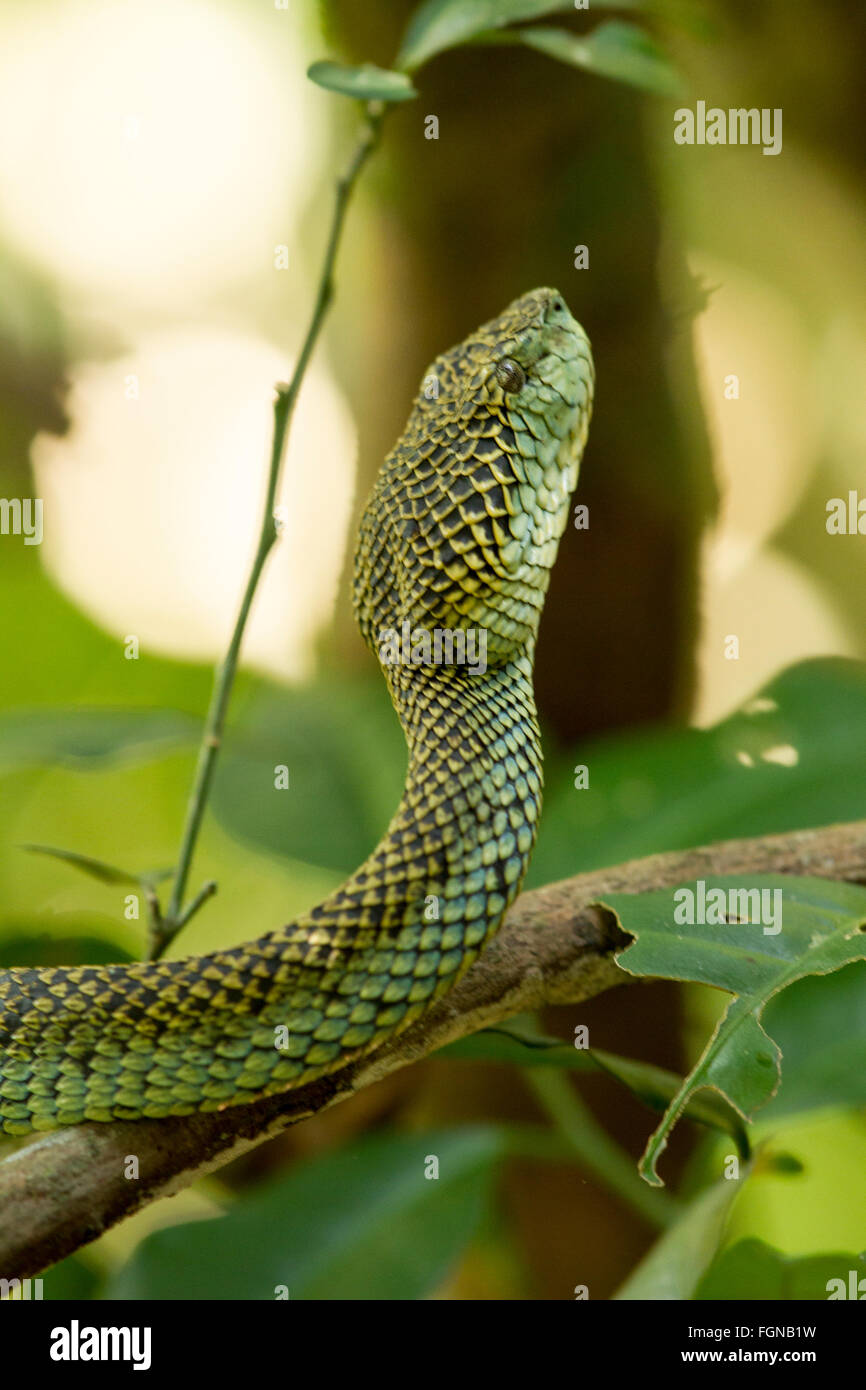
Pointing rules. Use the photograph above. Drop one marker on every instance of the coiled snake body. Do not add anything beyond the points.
(459, 533)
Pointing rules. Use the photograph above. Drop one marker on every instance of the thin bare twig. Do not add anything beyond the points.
(165, 926)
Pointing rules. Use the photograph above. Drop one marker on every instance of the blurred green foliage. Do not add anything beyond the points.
(675, 1265)
(96, 755)
(374, 1221)
(754, 1271)
(794, 756)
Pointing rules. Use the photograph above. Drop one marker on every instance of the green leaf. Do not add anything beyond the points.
(784, 1164)
(91, 737)
(516, 1049)
(71, 1279)
(820, 1025)
(617, 50)
(441, 24)
(74, 663)
(655, 1086)
(106, 873)
(343, 789)
(28, 944)
(793, 757)
(361, 1223)
(673, 1267)
(820, 930)
(753, 1271)
(366, 83)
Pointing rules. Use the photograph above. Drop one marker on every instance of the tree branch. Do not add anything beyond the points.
(62, 1190)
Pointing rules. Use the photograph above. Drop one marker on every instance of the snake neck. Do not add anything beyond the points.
(456, 851)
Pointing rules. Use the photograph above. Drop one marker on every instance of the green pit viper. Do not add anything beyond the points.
(460, 532)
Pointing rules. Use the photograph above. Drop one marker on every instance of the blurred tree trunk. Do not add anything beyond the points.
(533, 159)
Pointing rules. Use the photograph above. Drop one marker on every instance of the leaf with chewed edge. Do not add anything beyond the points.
(814, 927)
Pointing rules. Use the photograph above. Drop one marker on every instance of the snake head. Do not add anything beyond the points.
(466, 517)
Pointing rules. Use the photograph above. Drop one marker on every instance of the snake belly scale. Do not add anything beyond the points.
(460, 532)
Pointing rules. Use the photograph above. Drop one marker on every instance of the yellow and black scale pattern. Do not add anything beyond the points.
(459, 533)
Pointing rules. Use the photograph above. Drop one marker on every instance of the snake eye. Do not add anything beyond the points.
(510, 375)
